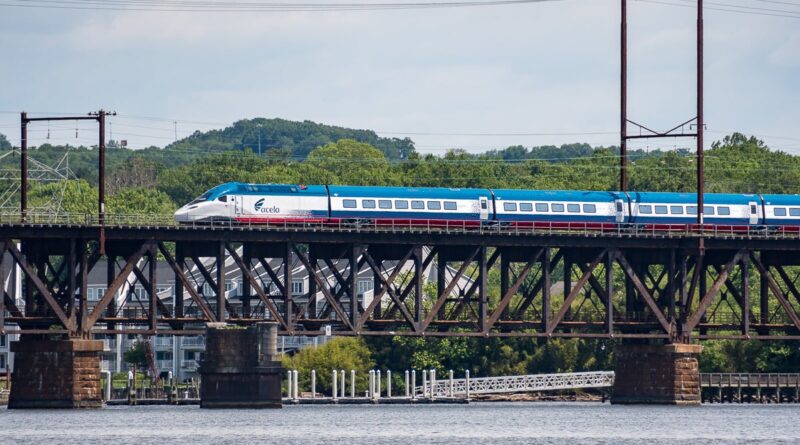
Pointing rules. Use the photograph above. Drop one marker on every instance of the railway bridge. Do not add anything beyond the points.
(657, 292)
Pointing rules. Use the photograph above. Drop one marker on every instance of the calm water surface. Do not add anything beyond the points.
(477, 423)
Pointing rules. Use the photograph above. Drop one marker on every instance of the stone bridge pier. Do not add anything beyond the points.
(241, 367)
(663, 374)
(51, 373)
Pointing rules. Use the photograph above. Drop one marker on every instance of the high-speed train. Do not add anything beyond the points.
(285, 203)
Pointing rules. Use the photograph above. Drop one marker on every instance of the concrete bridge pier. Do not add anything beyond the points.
(660, 374)
(52, 373)
(241, 367)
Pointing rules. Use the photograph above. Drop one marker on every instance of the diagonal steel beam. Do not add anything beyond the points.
(146, 284)
(599, 289)
(40, 286)
(254, 284)
(449, 288)
(272, 276)
(386, 288)
(736, 294)
(704, 302)
(576, 289)
(187, 286)
(323, 288)
(463, 302)
(115, 285)
(519, 313)
(776, 290)
(506, 299)
(637, 283)
(213, 283)
(391, 311)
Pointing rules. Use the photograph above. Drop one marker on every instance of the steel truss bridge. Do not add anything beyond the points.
(489, 281)
(522, 383)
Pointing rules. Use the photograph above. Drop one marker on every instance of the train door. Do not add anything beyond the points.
(238, 206)
(484, 210)
(753, 209)
(619, 211)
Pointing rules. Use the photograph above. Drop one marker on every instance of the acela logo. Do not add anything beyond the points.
(259, 207)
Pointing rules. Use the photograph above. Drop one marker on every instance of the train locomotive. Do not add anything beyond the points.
(287, 203)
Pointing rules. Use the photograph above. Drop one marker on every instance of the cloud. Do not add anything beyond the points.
(550, 67)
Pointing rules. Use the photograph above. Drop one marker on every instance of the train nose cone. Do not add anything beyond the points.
(182, 215)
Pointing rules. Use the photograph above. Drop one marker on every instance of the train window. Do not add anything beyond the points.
(645, 209)
(417, 205)
(708, 210)
(384, 204)
(525, 207)
(400, 204)
(541, 206)
(661, 210)
(484, 205)
(691, 210)
(510, 206)
(434, 205)
(725, 211)
(779, 211)
(574, 208)
(349, 203)
(589, 208)
(558, 208)
(368, 203)
(619, 206)
(676, 210)
(794, 211)
(450, 205)
(223, 198)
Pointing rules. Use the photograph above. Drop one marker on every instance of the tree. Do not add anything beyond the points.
(4, 144)
(353, 163)
(339, 353)
(140, 201)
(136, 355)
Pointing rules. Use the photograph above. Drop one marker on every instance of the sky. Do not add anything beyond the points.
(475, 78)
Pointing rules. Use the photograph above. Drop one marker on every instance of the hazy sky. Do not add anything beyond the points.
(530, 70)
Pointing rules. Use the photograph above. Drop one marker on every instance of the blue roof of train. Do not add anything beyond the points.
(786, 200)
(554, 195)
(407, 192)
(241, 188)
(691, 198)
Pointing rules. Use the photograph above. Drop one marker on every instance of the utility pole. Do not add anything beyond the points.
(700, 120)
(675, 132)
(623, 130)
(23, 193)
(100, 117)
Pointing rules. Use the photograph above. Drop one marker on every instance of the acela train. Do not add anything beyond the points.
(269, 203)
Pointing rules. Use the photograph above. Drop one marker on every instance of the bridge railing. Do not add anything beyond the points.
(522, 383)
(416, 226)
(750, 380)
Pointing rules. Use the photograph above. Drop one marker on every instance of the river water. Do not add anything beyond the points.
(477, 423)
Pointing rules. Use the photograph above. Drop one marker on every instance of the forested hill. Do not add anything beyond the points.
(286, 139)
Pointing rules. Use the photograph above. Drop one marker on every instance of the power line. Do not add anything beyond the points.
(216, 6)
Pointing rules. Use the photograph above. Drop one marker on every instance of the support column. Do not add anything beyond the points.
(418, 277)
(56, 374)
(241, 367)
(247, 258)
(483, 299)
(545, 289)
(657, 374)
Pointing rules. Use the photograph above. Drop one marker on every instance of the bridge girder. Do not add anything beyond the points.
(484, 285)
